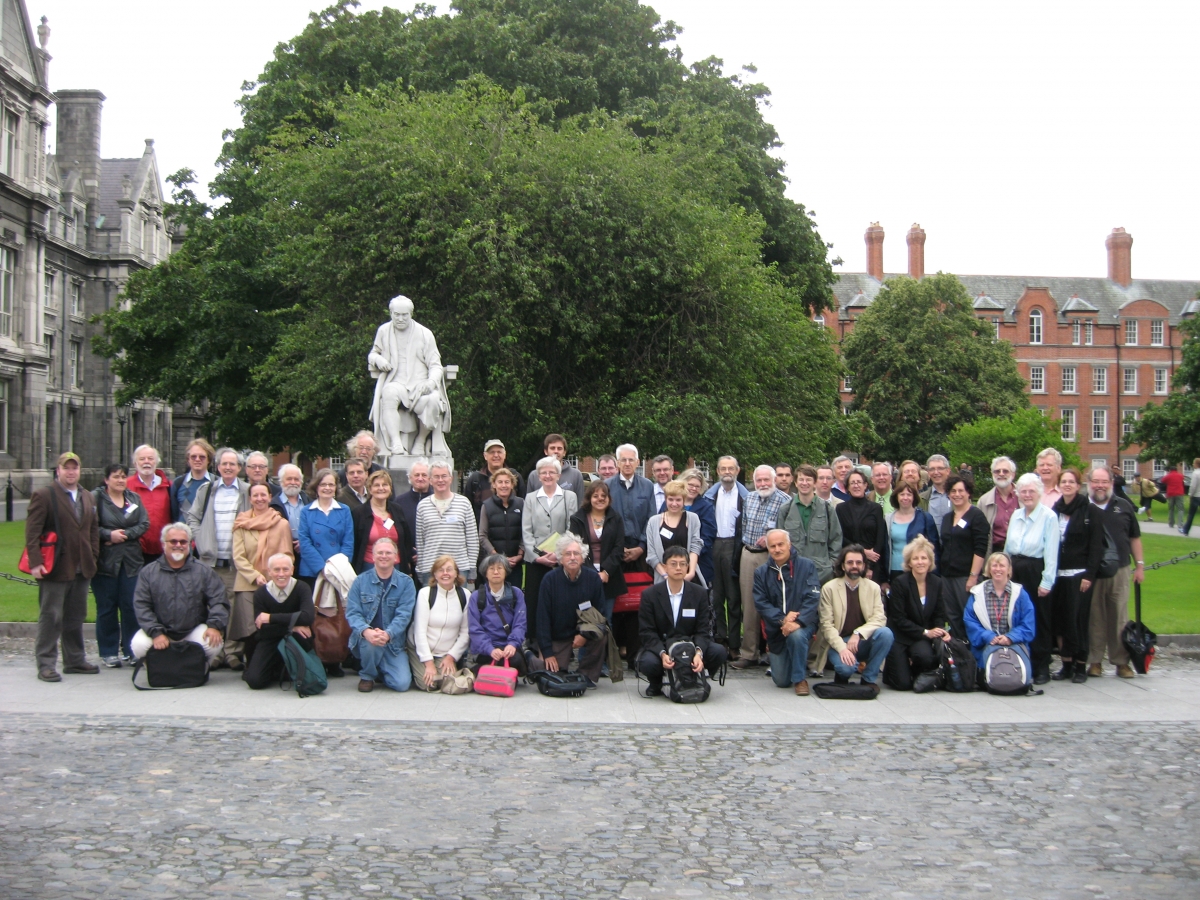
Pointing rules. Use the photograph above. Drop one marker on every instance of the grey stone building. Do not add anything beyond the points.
(73, 228)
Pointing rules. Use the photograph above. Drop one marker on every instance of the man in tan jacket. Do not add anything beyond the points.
(65, 508)
(853, 623)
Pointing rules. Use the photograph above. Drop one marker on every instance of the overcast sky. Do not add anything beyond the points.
(1017, 134)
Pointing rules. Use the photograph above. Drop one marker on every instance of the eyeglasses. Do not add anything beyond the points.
(256, 465)
(178, 543)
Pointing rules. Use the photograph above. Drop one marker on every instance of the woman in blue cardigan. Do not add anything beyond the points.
(906, 522)
(999, 614)
(326, 528)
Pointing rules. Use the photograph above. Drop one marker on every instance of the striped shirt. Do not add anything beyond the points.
(225, 508)
(759, 516)
(451, 531)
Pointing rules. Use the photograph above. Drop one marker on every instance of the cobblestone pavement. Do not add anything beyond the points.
(112, 807)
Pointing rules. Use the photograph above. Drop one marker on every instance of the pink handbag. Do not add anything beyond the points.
(496, 681)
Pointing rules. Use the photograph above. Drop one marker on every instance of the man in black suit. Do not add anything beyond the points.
(675, 610)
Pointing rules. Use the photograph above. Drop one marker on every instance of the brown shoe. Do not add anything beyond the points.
(48, 674)
(1095, 670)
(802, 688)
(1124, 672)
(86, 668)
(366, 685)
(872, 686)
(862, 667)
(741, 664)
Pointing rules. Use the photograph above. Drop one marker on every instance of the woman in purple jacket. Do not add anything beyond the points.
(496, 619)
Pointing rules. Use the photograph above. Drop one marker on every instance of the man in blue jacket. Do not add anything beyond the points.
(379, 609)
(786, 594)
(632, 500)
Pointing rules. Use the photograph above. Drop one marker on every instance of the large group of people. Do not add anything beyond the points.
(810, 567)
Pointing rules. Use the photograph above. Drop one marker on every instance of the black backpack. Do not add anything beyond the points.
(462, 597)
(958, 666)
(559, 684)
(1110, 562)
(687, 685)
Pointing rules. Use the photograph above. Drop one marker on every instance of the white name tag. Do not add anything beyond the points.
(131, 509)
(452, 519)
(688, 613)
(771, 523)
(961, 523)
(387, 524)
(586, 604)
(597, 565)
(666, 532)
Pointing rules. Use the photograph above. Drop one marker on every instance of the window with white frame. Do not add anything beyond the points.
(846, 384)
(1076, 332)
(1156, 333)
(819, 321)
(1131, 332)
(996, 326)
(1099, 380)
(74, 372)
(1068, 379)
(1129, 380)
(52, 371)
(76, 298)
(72, 422)
(8, 265)
(8, 144)
(1037, 379)
(51, 301)
(1128, 422)
(1160, 468)
(1099, 424)
(1129, 468)
(1068, 424)
(1035, 327)
(1088, 334)
(1160, 381)
(4, 416)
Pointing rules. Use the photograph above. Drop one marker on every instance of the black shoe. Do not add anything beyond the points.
(1042, 676)
(1080, 676)
(85, 668)
(1066, 673)
(841, 679)
(333, 670)
(654, 690)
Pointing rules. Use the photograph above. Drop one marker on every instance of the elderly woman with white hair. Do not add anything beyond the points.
(1032, 544)
(547, 512)
(282, 604)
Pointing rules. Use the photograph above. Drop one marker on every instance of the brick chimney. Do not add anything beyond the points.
(874, 239)
(1119, 266)
(916, 252)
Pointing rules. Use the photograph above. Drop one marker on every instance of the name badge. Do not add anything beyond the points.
(771, 523)
(961, 523)
(666, 532)
(586, 604)
(597, 565)
(453, 519)
(387, 524)
(688, 613)
(131, 509)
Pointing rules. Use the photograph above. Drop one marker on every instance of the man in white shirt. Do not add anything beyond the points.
(726, 496)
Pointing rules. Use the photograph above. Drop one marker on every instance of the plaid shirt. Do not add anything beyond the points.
(997, 606)
(759, 516)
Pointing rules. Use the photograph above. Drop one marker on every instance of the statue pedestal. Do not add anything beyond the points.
(398, 465)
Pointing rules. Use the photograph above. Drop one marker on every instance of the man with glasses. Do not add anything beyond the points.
(934, 499)
(446, 525)
(199, 456)
(564, 593)
(257, 472)
(1001, 501)
(1110, 596)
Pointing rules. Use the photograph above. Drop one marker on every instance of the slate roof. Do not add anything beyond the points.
(112, 173)
(1105, 297)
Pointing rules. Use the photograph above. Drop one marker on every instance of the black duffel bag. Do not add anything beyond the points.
(183, 664)
(559, 684)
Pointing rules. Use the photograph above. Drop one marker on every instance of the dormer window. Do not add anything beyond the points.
(1035, 327)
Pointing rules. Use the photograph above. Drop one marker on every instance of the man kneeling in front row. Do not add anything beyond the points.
(786, 592)
(853, 621)
(675, 610)
(569, 599)
(178, 598)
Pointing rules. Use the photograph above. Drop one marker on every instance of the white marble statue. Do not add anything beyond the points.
(410, 411)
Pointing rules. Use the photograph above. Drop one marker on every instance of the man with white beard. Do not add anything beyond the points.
(760, 514)
(179, 599)
(289, 501)
(1001, 501)
(150, 483)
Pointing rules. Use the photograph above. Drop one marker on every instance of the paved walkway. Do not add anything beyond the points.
(1170, 692)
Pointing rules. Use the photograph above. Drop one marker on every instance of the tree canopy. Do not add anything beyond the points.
(1171, 430)
(1021, 437)
(923, 364)
(597, 236)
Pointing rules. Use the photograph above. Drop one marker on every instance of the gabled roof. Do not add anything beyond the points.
(1105, 297)
(16, 42)
(113, 173)
(983, 301)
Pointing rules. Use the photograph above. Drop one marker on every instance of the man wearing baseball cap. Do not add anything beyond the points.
(66, 509)
(479, 484)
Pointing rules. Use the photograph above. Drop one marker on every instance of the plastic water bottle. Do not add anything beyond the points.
(955, 674)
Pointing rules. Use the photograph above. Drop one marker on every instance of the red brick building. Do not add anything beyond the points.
(1092, 351)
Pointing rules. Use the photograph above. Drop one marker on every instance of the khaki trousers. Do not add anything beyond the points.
(751, 631)
(1110, 612)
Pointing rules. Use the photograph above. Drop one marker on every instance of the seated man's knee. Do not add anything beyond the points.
(650, 665)
(140, 644)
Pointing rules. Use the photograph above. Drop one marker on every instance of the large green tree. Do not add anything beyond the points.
(598, 236)
(1021, 437)
(922, 364)
(1171, 430)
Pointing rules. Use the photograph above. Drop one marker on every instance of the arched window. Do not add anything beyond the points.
(1035, 327)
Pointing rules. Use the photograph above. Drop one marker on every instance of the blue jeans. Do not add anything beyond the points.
(376, 662)
(874, 650)
(114, 600)
(1193, 506)
(791, 666)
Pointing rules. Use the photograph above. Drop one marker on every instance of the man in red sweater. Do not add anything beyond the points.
(154, 490)
(1173, 482)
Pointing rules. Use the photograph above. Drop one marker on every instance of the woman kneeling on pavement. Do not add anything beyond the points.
(916, 613)
(438, 636)
(275, 603)
(999, 613)
(496, 618)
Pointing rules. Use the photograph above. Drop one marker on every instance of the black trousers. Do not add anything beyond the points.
(264, 664)
(534, 573)
(517, 662)
(1027, 572)
(906, 661)
(726, 595)
(650, 663)
(1072, 612)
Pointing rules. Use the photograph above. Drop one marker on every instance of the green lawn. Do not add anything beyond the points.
(1170, 597)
